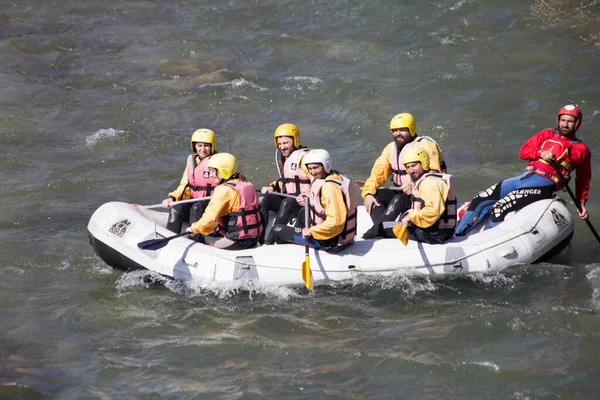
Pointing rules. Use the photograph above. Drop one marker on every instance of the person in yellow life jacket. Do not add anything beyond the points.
(332, 202)
(231, 220)
(432, 216)
(386, 204)
(194, 183)
(293, 178)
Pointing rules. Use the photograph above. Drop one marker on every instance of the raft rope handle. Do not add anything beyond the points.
(145, 214)
(384, 269)
(457, 260)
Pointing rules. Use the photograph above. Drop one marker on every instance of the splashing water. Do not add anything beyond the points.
(102, 135)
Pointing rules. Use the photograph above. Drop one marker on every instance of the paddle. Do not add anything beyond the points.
(159, 205)
(577, 203)
(306, 272)
(401, 233)
(289, 196)
(156, 244)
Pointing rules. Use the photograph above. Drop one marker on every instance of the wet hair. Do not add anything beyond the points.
(238, 176)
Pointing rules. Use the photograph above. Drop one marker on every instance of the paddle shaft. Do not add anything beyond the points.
(306, 225)
(289, 196)
(159, 205)
(306, 272)
(153, 242)
(577, 203)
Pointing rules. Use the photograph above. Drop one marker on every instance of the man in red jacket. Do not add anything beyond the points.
(557, 146)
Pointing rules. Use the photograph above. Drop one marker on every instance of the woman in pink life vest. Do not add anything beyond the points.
(231, 220)
(194, 183)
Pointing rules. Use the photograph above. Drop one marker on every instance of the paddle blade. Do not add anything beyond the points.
(307, 275)
(401, 233)
(152, 244)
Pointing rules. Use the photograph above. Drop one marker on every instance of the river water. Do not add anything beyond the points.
(98, 101)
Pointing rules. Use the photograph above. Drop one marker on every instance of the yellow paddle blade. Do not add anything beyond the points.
(307, 275)
(401, 233)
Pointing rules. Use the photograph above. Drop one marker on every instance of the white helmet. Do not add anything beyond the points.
(318, 156)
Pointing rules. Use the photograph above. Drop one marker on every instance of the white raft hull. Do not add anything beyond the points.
(535, 232)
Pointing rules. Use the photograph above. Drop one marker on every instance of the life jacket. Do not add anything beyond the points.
(560, 146)
(197, 177)
(293, 178)
(317, 211)
(399, 174)
(245, 222)
(448, 219)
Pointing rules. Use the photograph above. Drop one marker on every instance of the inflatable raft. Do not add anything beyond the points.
(532, 234)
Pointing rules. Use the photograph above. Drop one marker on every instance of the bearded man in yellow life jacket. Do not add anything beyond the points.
(386, 204)
(293, 178)
(332, 203)
(194, 183)
(432, 216)
(232, 220)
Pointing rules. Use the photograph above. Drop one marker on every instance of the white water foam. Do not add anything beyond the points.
(239, 82)
(302, 82)
(487, 364)
(594, 278)
(200, 288)
(102, 135)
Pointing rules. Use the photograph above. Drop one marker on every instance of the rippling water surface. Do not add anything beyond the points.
(99, 99)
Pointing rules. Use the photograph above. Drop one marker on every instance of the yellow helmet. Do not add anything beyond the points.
(224, 163)
(288, 130)
(404, 120)
(416, 154)
(204, 136)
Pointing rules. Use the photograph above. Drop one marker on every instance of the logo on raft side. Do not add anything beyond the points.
(119, 228)
(559, 219)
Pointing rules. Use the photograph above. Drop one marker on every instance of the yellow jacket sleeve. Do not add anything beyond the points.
(224, 200)
(433, 151)
(332, 200)
(380, 172)
(182, 192)
(434, 193)
(276, 185)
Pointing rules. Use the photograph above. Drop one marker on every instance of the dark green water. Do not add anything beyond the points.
(98, 101)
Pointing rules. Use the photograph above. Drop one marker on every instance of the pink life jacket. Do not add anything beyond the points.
(560, 146)
(197, 177)
(245, 222)
(293, 178)
(448, 219)
(317, 211)
(399, 174)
